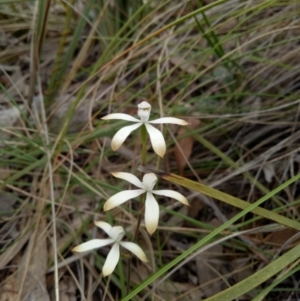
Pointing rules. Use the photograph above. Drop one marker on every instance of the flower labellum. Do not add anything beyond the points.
(151, 205)
(116, 234)
(144, 109)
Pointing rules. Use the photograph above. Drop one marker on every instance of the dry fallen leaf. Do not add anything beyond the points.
(179, 291)
(279, 238)
(9, 116)
(188, 67)
(196, 207)
(7, 201)
(8, 290)
(243, 269)
(67, 289)
(209, 271)
(183, 150)
(31, 275)
(22, 239)
(34, 287)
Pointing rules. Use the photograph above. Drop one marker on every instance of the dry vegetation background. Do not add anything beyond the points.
(231, 68)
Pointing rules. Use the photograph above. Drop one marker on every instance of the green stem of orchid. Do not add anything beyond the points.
(144, 136)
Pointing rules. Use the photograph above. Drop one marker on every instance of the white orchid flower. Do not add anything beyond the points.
(116, 234)
(151, 206)
(156, 137)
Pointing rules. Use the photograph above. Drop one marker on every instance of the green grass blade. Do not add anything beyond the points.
(206, 239)
(258, 278)
(236, 202)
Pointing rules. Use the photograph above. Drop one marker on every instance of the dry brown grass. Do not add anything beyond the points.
(72, 62)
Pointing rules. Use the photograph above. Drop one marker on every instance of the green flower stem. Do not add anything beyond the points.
(144, 144)
(144, 136)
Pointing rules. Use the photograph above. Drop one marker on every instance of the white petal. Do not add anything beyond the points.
(122, 134)
(121, 197)
(120, 116)
(104, 226)
(117, 233)
(129, 178)
(269, 172)
(157, 140)
(172, 120)
(111, 260)
(151, 213)
(93, 244)
(135, 249)
(149, 180)
(172, 194)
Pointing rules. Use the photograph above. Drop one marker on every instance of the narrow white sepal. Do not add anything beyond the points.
(157, 140)
(121, 197)
(93, 244)
(104, 226)
(135, 249)
(172, 120)
(122, 134)
(111, 260)
(172, 194)
(129, 178)
(151, 213)
(120, 116)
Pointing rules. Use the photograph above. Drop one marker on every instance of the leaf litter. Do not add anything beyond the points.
(248, 112)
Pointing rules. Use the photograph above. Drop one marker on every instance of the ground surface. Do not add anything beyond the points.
(229, 68)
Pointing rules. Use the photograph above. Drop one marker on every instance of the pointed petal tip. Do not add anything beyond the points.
(80, 249)
(108, 270)
(106, 207)
(106, 274)
(116, 174)
(76, 249)
(144, 259)
(160, 153)
(182, 122)
(183, 200)
(114, 147)
(151, 229)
